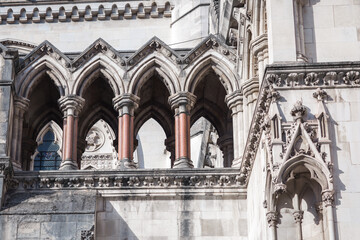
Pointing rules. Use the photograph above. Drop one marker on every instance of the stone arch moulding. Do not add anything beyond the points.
(58, 133)
(159, 114)
(148, 67)
(29, 76)
(318, 170)
(92, 69)
(210, 114)
(96, 115)
(220, 65)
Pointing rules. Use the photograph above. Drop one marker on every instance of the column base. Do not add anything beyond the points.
(183, 162)
(126, 163)
(68, 164)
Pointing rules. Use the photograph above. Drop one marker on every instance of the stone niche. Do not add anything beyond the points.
(100, 153)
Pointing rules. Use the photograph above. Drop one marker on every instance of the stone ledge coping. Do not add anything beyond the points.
(224, 178)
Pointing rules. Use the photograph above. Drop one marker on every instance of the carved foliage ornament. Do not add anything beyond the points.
(319, 78)
(129, 182)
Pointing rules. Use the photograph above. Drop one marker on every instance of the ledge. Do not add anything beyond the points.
(185, 179)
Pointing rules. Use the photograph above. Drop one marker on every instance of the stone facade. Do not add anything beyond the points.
(201, 119)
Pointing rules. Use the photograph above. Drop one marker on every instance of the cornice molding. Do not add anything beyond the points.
(68, 11)
(129, 179)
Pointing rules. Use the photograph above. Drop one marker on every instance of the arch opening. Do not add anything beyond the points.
(154, 110)
(42, 110)
(210, 109)
(98, 108)
(150, 151)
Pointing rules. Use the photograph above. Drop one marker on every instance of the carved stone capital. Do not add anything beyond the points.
(126, 103)
(234, 99)
(71, 104)
(272, 218)
(250, 86)
(182, 101)
(298, 111)
(328, 197)
(21, 104)
(298, 216)
(259, 44)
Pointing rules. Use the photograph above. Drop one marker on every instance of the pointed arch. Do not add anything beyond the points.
(57, 133)
(53, 126)
(46, 116)
(29, 77)
(318, 170)
(99, 65)
(220, 65)
(97, 113)
(211, 113)
(148, 68)
(159, 114)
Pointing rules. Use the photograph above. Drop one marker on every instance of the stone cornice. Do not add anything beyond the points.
(128, 179)
(324, 75)
(67, 11)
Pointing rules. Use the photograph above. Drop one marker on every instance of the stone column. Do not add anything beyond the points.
(298, 216)
(182, 103)
(272, 219)
(71, 106)
(328, 201)
(170, 146)
(20, 107)
(225, 144)
(235, 104)
(126, 104)
(250, 89)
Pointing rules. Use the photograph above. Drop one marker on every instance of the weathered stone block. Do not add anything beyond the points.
(58, 230)
(28, 230)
